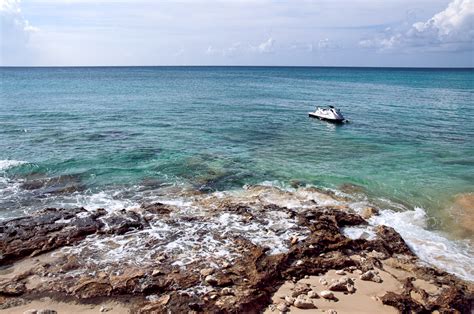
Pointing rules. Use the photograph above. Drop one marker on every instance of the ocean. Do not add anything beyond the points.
(117, 137)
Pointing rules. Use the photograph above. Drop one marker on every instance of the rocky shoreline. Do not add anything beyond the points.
(223, 253)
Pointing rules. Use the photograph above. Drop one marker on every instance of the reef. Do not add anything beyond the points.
(218, 253)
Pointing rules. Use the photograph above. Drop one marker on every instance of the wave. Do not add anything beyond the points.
(6, 164)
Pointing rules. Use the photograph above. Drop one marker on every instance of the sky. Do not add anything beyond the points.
(405, 33)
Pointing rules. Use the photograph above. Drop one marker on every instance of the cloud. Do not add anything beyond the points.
(238, 48)
(15, 31)
(449, 30)
(266, 47)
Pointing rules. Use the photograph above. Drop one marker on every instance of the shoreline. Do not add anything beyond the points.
(238, 253)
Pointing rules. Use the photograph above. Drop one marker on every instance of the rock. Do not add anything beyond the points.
(300, 288)
(368, 212)
(282, 307)
(45, 230)
(331, 311)
(289, 300)
(227, 291)
(46, 311)
(344, 284)
(327, 295)
(105, 309)
(32, 311)
(294, 240)
(207, 271)
(313, 294)
(299, 262)
(371, 276)
(340, 272)
(157, 272)
(323, 281)
(304, 302)
(211, 280)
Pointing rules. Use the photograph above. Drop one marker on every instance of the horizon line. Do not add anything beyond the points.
(236, 66)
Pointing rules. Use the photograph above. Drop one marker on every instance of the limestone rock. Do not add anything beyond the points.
(282, 307)
(313, 294)
(327, 294)
(304, 302)
(289, 300)
(300, 288)
(368, 212)
(371, 276)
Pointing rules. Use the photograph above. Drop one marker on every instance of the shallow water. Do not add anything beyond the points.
(117, 137)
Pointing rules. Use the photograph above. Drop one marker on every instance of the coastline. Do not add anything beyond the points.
(227, 253)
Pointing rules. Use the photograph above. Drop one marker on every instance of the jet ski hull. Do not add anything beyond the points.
(313, 115)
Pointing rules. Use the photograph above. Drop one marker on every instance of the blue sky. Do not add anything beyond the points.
(434, 33)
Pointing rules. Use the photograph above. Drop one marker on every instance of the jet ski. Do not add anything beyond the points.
(331, 114)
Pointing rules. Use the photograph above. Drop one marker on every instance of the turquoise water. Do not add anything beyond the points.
(130, 131)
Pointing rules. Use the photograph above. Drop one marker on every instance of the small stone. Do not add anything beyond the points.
(331, 311)
(323, 281)
(371, 276)
(227, 291)
(368, 212)
(282, 307)
(350, 288)
(303, 302)
(313, 295)
(327, 294)
(32, 311)
(289, 300)
(300, 288)
(214, 296)
(105, 309)
(211, 280)
(157, 272)
(225, 265)
(294, 240)
(340, 272)
(207, 271)
(46, 311)
(299, 262)
(306, 277)
(342, 284)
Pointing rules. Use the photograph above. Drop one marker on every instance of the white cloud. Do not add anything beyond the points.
(15, 31)
(267, 46)
(450, 29)
(238, 48)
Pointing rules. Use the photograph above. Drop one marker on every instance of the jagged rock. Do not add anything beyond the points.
(344, 284)
(211, 280)
(207, 271)
(304, 302)
(45, 230)
(227, 291)
(300, 288)
(371, 276)
(12, 289)
(327, 294)
(368, 212)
